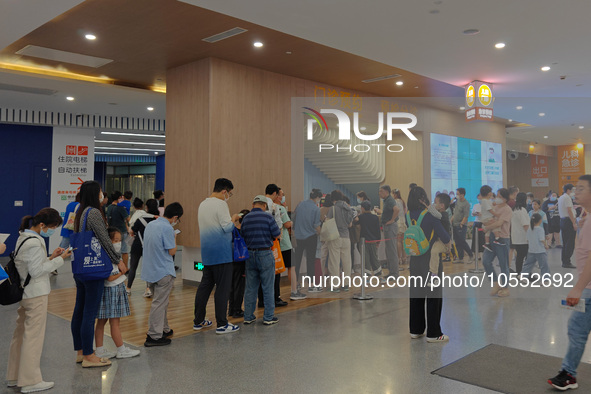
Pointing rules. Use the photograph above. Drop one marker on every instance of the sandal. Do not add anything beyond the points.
(103, 363)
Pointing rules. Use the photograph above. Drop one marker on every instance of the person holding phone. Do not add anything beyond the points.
(33, 265)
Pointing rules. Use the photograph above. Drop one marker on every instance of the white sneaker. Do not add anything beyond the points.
(127, 353)
(105, 354)
(147, 293)
(228, 328)
(416, 336)
(37, 387)
(443, 338)
(11, 383)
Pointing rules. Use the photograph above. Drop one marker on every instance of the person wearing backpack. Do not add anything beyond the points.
(33, 265)
(419, 266)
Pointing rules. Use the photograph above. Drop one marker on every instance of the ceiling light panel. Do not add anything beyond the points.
(133, 134)
(377, 79)
(226, 34)
(63, 56)
(131, 142)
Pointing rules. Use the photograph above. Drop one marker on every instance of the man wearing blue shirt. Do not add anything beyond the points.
(158, 269)
(126, 203)
(259, 230)
(306, 225)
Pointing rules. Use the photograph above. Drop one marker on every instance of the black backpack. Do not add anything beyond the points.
(11, 290)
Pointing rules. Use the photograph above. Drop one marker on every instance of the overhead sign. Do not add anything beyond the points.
(539, 171)
(479, 101)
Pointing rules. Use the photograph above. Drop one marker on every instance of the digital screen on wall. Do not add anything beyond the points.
(463, 162)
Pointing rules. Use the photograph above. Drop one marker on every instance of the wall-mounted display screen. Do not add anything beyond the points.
(463, 162)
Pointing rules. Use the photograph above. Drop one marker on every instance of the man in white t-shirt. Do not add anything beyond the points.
(271, 192)
(568, 224)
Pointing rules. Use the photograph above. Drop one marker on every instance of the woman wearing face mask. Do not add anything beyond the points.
(34, 267)
(90, 292)
(550, 207)
(500, 249)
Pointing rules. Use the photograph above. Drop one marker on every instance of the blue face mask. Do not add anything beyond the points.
(47, 233)
(359, 201)
(552, 198)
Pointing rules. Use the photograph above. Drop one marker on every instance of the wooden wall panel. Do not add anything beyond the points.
(188, 143)
(519, 174)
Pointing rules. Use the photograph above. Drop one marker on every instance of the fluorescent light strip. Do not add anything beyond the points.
(121, 154)
(129, 142)
(133, 134)
(149, 150)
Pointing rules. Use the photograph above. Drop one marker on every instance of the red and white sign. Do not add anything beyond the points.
(539, 171)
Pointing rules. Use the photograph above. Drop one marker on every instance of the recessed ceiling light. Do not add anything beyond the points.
(155, 153)
(399, 83)
(545, 68)
(150, 108)
(510, 120)
(545, 136)
(416, 87)
(500, 45)
(288, 53)
(90, 37)
(579, 146)
(531, 146)
(519, 107)
(471, 32)
(258, 44)
(541, 114)
(70, 98)
(581, 127)
(462, 108)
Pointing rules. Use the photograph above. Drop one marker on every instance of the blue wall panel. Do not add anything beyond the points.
(25, 152)
(160, 172)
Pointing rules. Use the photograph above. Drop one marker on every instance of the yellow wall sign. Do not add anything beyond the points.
(470, 96)
(481, 109)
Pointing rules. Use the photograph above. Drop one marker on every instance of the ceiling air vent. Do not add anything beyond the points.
(223, 35)
(26, 89)
(381, 78)
(63, 56)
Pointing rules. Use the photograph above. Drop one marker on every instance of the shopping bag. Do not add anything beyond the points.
(71, 218)
(329, 231)
(90, 261)
(279, 264)
(240, 249)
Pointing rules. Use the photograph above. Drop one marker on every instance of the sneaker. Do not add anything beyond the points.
(105, 354)
(37, 387)
(238, 314)
(227, 329)
(270, 322)
(168, 334)
(128, 353)
(558, 246)
(147, 293)
(297, 296)
(458, 261)
(337, 290)
(345, 288)
(249, 321)
(569, 265)
(503, 293)
(54, 272)
(416, 336)
(443, 338)
(11, 383)
(498, 243)
(204, 324)
(314, 289)
(563, 381)
(383, 280)
(279, 303)
(487, 247)
(157, 342)
(128, 291)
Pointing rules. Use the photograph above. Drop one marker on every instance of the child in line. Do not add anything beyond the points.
(537, 208)
(370, 231)
(487, 215)
(439, 210)
(114, 305)
(538, 246)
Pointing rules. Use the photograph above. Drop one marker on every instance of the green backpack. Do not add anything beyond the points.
(415, 241)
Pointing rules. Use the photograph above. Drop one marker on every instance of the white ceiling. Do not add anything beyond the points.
(406, 34)
(421, 36)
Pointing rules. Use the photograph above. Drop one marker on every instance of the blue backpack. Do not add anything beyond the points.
(415, 241)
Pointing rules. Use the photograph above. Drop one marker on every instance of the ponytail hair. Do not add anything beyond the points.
(48, 216)
(535, 219)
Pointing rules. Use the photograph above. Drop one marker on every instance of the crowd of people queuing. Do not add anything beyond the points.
(506, 221)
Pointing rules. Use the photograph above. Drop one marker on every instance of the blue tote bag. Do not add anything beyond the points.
(240, 249)
(90, 261)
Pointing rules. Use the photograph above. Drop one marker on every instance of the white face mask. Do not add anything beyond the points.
(283, 200)
(227, 196)
(117, 247)
(101, 197)
(359, 200)
(499, 200)
(572, 194)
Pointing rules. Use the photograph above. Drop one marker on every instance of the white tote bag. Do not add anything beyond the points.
(329, 231)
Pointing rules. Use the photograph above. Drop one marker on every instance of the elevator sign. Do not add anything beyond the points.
(479, 101)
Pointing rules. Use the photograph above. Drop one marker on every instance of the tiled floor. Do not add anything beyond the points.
(346, 346)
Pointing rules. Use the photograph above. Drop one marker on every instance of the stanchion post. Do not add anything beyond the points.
(476, 239)
(362, 296)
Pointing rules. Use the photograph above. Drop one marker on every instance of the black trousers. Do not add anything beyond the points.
(421, 297)
(219, 275)
(307, 245)
(520, 257)
(479, 237)
(568, 239)
(238, 283)
(134, 261)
